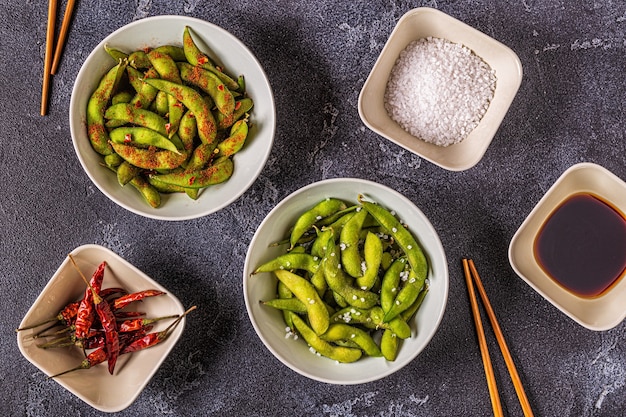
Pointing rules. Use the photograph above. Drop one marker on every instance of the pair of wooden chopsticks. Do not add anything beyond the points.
(51, 62)
(470, 272)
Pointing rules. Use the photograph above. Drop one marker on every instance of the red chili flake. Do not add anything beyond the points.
(192, 180)
(220, 87)
(237, 105)
(203, 60)
(138, 104)
(178, 104)
(128, 138)
(168, 126)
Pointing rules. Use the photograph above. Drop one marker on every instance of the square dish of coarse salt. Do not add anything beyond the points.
(440, 89)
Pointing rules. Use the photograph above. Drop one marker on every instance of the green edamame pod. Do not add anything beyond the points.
(291, 261)
(176, 52)
(406, 296)
(113, 160)
(122, 97)
(207, 129)
(242, 107)
(389, 345)
(340, 331)
(150, 158)
(116, 54)
(137, 116)
(163, 187)
(338, 353)
(390, 283)
(401, 235)
(141, 136)
(233, 144)
(210, 84)
(198, 58)
(290, 304)
(96, 106)
(372, 255)
(306, 220)
(214, 174)
(149, 193)
(187, 130)
(304, 291)
(139, 60)
(165, 66)
(175, 112)
(349, 242)
(284, 293)
(126, 172)
(160, 103)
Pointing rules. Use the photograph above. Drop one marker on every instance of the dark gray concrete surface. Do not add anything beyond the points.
(317, 54)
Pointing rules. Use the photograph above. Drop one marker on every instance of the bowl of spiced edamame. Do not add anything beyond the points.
(345, 281)
(172, 117)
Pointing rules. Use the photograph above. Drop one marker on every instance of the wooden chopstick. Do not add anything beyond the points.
(52, 12)
(517, 383)
(482, 342)
(65, 25)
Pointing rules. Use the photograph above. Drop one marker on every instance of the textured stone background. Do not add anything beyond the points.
(317, 55)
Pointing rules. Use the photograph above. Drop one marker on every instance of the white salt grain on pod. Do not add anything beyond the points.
(438, 90)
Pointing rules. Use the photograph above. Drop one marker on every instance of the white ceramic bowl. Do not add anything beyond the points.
(426, 22)
(95, 386)
(269, 323)
(596, 313)
(235, 56)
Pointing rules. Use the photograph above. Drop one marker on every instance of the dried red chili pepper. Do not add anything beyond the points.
(66, 316)
(152, 339)
(85, 314)
(97, 356)
(107, 319)
(107, 292)
(136, 296)
(136, 324)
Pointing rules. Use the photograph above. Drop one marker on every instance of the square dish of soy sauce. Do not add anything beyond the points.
(570, 248)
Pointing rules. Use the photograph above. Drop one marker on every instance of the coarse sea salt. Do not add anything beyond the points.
(438, 90)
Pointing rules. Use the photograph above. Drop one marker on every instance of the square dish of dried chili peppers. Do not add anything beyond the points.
(101, 328)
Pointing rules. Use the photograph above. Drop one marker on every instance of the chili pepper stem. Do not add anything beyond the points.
(32, 326)
(96, 297)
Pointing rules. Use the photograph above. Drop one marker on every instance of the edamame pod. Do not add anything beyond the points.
(391, 282)
(365, 342)
(389, 345)
(126, 172)
(291, 261)
(401, 235)
(349, 243)
(304, 291)
(406, 296)
(290, 304)
(210, 84)
(214, 174)
(130, 114)
(306, 220)
(150, 158)
(142, 136)
(242, 107)
(198, 58)
(233, 144)
(372, 255)
(337, 353)
(96, 106)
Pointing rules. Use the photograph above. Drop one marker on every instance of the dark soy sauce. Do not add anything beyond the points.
(582, 245)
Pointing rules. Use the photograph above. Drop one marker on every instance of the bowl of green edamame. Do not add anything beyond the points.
(172, 117)
(345, 281)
